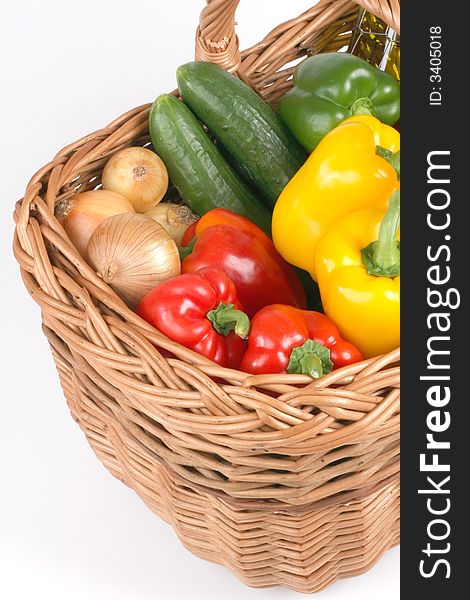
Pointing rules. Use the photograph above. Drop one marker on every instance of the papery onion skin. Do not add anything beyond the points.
(138, 174)
(174, 218)
(81, 214)
(133, 254)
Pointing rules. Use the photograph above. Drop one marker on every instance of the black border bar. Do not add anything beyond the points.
(435, 322)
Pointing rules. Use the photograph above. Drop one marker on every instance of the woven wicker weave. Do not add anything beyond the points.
(284, 480)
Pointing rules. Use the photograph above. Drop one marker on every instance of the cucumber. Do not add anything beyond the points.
(200, 173)
(247, 127)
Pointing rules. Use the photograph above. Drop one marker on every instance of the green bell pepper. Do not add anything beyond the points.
(330, 87)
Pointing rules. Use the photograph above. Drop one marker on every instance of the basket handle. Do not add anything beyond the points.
(217, 42)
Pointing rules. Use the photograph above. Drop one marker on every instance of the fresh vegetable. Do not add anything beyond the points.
(247, 126)
(200, 311)
(133, 254)
(139, 175)
(188, 237)
(284, 339)
(358, 267)
(198, 170)
(81, 214)
(174, 218)
(330, 87)
(247, 255)
(344, 174)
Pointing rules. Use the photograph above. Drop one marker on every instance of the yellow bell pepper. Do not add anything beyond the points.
(358, 268)
(343, 174)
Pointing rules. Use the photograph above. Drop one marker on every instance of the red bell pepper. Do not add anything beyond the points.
(200, 311)
(247, 255)
(189, 234)
(284, 339)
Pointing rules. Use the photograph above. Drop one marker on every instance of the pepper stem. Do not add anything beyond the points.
(311, 359)
(382, 257)
(185, 251)
(394, 160)
(225, 319)
(363, 106)
(391, 157)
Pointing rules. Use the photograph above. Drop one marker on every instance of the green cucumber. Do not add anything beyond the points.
(200, 173)
(247, 127)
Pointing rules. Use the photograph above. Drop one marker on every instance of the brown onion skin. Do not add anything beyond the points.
(174, 218)
(133, 254)
(138, 174)
(81, 214)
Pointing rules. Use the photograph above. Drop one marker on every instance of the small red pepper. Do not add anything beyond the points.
(284, 339)
(247, 255)
(200, 311)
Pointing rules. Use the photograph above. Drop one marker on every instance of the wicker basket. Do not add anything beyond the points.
(284, 480)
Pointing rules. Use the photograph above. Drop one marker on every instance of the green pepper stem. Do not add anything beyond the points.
(185, 251)
(363, 106)
(382, 257)
(311, 359)
(312, 365)
(394, 160)
(225, 318)
(391, 157)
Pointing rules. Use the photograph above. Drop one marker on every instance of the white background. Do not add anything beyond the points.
(68, 530)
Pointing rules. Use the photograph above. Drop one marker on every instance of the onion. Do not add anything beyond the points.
(81, 214)
(174, 218)
(138, 174)
(133, 254)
